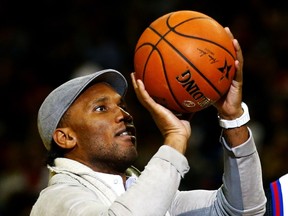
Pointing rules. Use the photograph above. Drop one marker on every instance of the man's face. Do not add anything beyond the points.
(104, 131)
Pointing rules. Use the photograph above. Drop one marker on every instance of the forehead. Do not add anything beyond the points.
(100, 88)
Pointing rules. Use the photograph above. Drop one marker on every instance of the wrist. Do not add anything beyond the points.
(177, 142)
(238, 122)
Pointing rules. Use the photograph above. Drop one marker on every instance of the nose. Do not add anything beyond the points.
(125, 116)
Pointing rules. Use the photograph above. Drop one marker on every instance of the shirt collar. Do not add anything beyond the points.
(113, 181)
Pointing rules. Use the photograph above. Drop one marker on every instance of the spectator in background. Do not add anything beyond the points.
(277, 197)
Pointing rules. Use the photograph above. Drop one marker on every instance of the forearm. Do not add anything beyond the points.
(242, 179)
(235, 130)
(236, 136)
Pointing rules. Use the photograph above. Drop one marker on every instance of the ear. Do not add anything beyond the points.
(64, 137)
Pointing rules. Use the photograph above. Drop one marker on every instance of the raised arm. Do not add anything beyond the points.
(242, 188)
(229, 107)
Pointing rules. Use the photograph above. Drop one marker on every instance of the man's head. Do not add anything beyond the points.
(87, 117)
(61, 98)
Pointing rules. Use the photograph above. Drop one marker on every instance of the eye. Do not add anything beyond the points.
(100, 108)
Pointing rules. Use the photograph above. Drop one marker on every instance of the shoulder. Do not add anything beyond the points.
(62, 190)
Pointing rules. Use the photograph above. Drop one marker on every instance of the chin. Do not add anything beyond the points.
(127, 162)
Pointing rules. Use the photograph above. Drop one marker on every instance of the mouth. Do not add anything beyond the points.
(130, 131)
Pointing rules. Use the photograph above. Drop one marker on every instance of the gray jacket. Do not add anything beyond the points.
(75, 189)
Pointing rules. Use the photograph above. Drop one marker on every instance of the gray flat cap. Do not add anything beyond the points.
(61, 98)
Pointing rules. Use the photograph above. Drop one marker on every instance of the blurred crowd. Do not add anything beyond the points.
(45, 43)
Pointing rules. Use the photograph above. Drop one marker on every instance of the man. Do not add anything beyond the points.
(91, 142)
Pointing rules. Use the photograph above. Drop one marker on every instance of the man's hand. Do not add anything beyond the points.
(175, 131)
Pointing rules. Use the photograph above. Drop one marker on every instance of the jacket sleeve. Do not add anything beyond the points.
(241, 193)
(154, 191)
(242, 179)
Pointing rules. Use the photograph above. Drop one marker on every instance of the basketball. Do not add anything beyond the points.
(186, 60)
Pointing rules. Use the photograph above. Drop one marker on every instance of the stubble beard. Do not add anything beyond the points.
(116, 163)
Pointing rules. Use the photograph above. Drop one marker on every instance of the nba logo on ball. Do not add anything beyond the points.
(186, 61)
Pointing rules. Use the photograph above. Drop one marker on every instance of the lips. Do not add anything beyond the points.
(129, 130)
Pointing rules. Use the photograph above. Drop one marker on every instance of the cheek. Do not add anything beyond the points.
(96, 134)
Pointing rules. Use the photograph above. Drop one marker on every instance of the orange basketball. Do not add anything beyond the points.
(186, 61)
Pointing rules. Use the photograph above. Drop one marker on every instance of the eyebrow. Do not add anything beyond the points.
(101, 99)
(105, 98)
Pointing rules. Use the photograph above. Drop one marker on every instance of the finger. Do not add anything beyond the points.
(239, 61)
(141, 93)
(137, 84)
(132, 75)
(227, 29)
(136, 88)
(239, 57)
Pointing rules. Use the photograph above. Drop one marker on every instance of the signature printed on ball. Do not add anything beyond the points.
(189, 103)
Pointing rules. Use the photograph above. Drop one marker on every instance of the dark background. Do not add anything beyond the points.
(45, 43)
